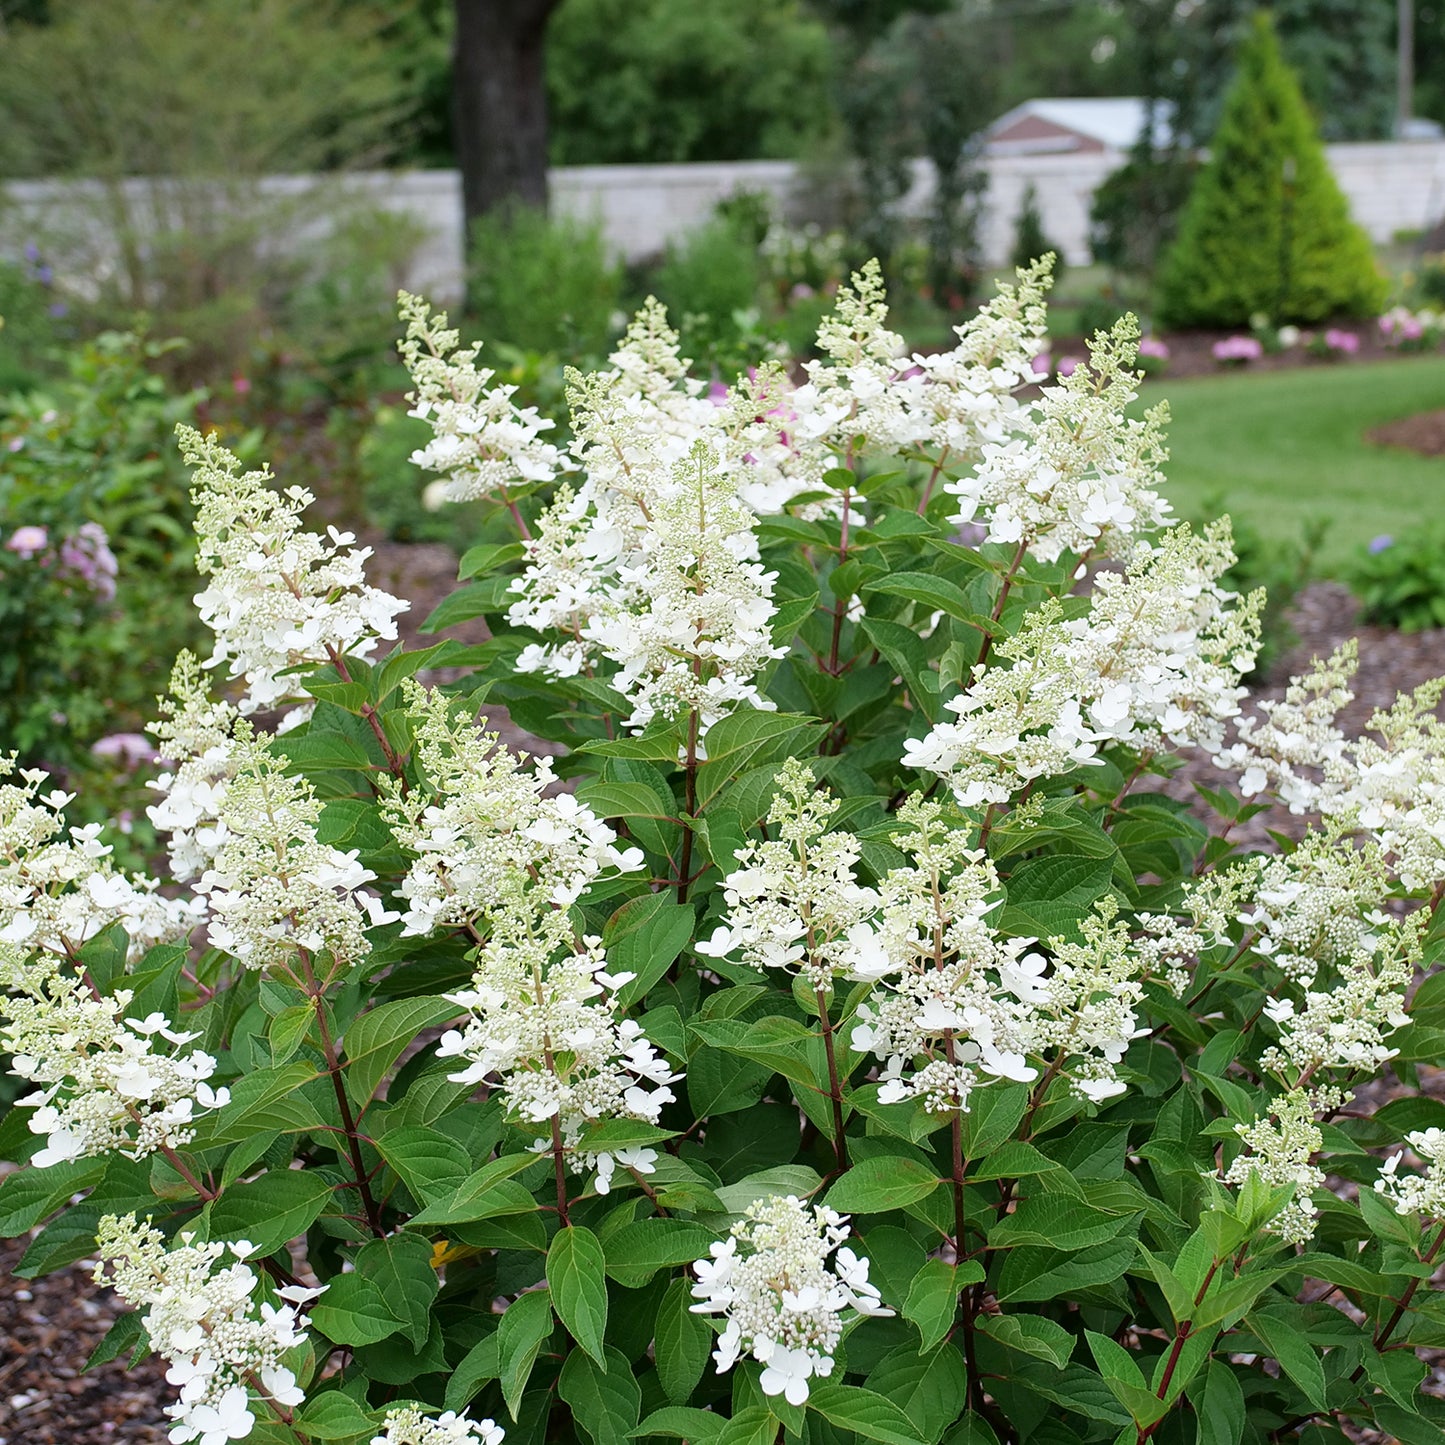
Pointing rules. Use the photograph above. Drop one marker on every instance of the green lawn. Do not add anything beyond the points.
(1283, 447)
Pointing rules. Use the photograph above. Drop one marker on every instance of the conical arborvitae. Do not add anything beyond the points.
(1266, 227)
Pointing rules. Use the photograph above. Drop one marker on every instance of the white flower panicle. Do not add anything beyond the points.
(1422, 1194)
(58, 887)
(1288, 744)
(859, 395)
(196, 735)
(487, 839)
(784, 1280)
(483, 444)
(794, 902)
(669, 587)
(543, 1022)
(104, 1084)
(964, 1005)
(1157, 657)
(968, 394)
(495, 856)
(407, 1425)
(1281, 1147)
(1076, 474)
(226, 1353)
(279, 597)
(275, 891)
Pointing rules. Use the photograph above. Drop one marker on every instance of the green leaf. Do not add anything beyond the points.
(931, 1390)
(270, 1211)
(932, 1302)
(401, 1268)
(288, 1030)
(644, 937)
(126, 1333)
(868, 1415)
(1056, 1221)
(480, 1363)
(487, 558)
(488, 1192)
(353, 1311)
(1043, 1274)
(905, 651)
(1035, 1335)
(1297, 1357)
(579, 1290)
(252, 1108)
(936, 594)
(28, 1196)
(1218, 1404)
(476, 599)
(430, 1164)
(878, 1185)
(375, 1041)
(753, 1426)
(677, 1422)
(681, 1342)
(334, 1416)
(526, 1324)
(604, 1398)
(637, 1251)
(1047, 896)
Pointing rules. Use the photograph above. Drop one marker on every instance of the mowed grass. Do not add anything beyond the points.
(1281, 448)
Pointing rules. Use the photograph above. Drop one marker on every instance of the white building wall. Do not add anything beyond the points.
(1392, 186)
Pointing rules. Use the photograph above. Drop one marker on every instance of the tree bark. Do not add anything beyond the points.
(499, 103)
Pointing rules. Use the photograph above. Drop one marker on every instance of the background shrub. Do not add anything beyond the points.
(1266, 228)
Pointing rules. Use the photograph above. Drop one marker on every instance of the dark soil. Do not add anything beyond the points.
(48, 1327)
(1423, 433)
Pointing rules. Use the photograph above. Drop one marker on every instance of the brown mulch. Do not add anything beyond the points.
(48, 1327)
(1423, 433)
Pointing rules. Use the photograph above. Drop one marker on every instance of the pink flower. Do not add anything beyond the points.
(1068, 365)
(1346, 342)
(86, 554)
(129, 749)
(26, 541)
(1152, 346)
(1043, 364)
(1237, 349)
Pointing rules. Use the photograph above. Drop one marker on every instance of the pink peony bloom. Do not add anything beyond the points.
(26, 541)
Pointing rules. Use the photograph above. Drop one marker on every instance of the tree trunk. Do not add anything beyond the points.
(499, 103)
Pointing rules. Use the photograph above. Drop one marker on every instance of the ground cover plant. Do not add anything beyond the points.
(841, 1039)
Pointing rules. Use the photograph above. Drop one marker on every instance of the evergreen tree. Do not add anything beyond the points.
(1266, 228)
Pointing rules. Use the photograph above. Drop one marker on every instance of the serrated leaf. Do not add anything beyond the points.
(579, 1288)
(288, 1030)
(480, 1363)
(353, 1311)
(1218, 1404)
(878, 1185)
(401, 1268)
(126, 1333)
(681, 1344)
(376, 1040)
(1056, 1221)
(1298, 1358)
(931, 1389)
(637, 1251)
(526, 1324)
(868, 1415)
(1035, 1335)
(333, 1416)
(270, 1211)
(431, 1165)
(677, 1422)
(604, 1398)
(932, 1302)
(252, 1096)
(488, 1192)
(28, 1196)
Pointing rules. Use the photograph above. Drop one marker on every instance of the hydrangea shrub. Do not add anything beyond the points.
(841, 1033)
